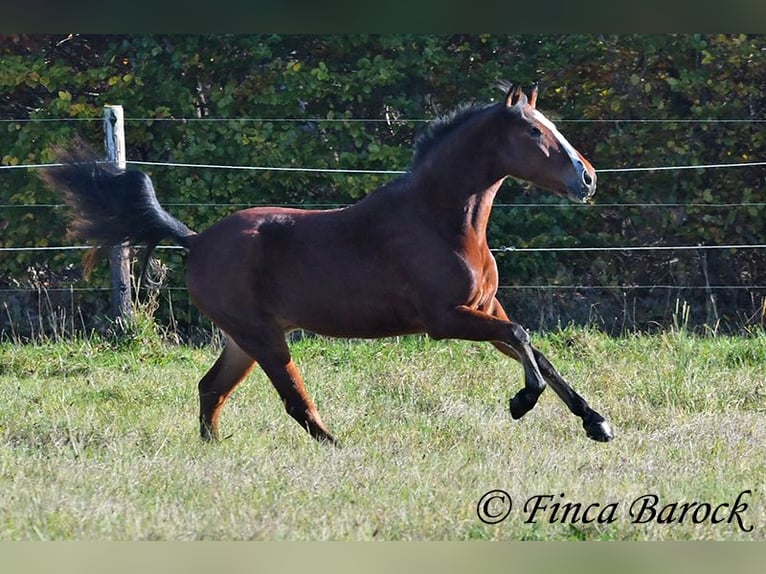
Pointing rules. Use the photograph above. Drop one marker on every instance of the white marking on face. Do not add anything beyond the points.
(568, 148)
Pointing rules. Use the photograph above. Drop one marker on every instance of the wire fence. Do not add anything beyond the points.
(324, 170)
(499, 250)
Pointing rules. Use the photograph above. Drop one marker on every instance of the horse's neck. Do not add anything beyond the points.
(458, 180)
(457, 202)
(478, 208)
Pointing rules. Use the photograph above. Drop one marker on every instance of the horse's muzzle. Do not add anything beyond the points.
(589, 179)
(584, 186)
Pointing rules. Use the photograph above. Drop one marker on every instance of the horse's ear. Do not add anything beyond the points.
(505, 86)
(533, 97)
(515, 97)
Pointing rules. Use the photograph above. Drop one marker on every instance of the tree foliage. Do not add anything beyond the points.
(297, 101)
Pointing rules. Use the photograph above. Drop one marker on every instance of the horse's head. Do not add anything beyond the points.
(535, 151)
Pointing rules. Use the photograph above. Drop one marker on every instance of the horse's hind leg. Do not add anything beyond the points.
(289, 384)
(271, 352)
(217, 385)
(596, 427)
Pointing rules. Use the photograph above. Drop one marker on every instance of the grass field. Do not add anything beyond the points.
(98, 441)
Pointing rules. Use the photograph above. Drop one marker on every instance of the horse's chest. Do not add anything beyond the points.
(480, 278)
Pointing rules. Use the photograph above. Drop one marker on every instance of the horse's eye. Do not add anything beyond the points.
(535, 132)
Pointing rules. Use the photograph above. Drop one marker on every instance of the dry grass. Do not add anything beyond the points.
(99, 442)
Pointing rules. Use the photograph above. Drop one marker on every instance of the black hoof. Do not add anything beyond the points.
(332, 443)
(521, 404)
(207, 434)
(598, 429)
(326, 439)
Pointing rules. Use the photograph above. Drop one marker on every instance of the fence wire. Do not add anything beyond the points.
(500, 250)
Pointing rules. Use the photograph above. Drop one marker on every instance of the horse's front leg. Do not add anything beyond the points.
(474, 325)
(596, 427)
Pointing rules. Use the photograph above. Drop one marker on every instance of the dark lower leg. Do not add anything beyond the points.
(596, 427)
(534, 382)
(475, 325)
(594, 424)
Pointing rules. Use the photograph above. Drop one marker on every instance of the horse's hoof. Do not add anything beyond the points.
(207, 435)
(329, 441)
(598, 429)
(324, 438)
(520, 405)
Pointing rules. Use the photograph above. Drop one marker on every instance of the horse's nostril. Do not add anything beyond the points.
(587, 179)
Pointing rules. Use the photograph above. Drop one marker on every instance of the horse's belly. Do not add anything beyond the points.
(359, 316)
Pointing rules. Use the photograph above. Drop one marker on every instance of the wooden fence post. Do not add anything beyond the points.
(119, 258)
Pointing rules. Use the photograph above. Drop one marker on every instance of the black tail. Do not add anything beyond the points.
(112, 206)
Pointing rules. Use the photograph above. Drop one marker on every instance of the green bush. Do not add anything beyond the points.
(624, 101)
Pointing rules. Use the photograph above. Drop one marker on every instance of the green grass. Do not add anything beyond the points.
(98, 441)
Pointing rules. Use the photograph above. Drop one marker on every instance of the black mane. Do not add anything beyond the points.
(440, 128)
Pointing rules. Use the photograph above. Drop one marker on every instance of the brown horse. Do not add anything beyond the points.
(411, 257)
